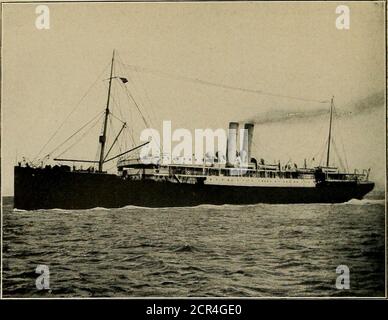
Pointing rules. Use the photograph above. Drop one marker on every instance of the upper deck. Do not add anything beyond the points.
(267, 171)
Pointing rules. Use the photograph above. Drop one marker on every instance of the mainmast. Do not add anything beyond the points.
(329, 140)
(103, 136)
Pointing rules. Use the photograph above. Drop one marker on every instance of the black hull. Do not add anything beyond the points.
(50, 188)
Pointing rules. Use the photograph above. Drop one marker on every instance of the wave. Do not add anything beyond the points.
(225, 206)
(100, 208)
(201, 206)
(211, 206)
(59, 210)
(77, 210)
(365, 202)
(56, 210)
(186, 248)
(132, 207)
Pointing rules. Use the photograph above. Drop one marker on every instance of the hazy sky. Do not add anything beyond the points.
(286, 48)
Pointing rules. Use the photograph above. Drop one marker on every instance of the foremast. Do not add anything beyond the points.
(102, 137)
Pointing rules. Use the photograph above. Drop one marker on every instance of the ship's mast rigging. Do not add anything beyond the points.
(102, 138)
(102, 156)
(329, 139)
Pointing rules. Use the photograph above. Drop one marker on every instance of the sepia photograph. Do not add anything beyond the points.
(193, 149)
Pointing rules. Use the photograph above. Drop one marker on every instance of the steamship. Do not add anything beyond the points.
(159, 184)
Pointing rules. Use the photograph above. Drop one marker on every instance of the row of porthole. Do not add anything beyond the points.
(266, 180)
(234, 180)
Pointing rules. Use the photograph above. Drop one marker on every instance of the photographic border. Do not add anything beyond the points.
(150, 298)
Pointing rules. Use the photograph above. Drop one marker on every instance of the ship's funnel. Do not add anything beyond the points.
(232, 144)
(247, 143)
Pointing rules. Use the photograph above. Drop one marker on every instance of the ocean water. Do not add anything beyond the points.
(219, 251)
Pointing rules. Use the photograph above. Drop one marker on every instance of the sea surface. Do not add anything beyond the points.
(220, 251)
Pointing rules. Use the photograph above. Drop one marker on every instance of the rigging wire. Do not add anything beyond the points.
(136, 74)
(72, 111)
(118, 104)
(322, 151)
(146, 94)
(84, 135)
(339, 159)
(142, 104)
(344, 152)
(342, 144)
(117, 118)
(128, 132)
(114, 135)
(214, 84)
(138, 69)
(130, 97)
(129, 128)
(121, 121)
(75, 133)
(112, 114)
(138, 108)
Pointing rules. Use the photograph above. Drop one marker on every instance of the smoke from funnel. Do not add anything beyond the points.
(361, 106)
